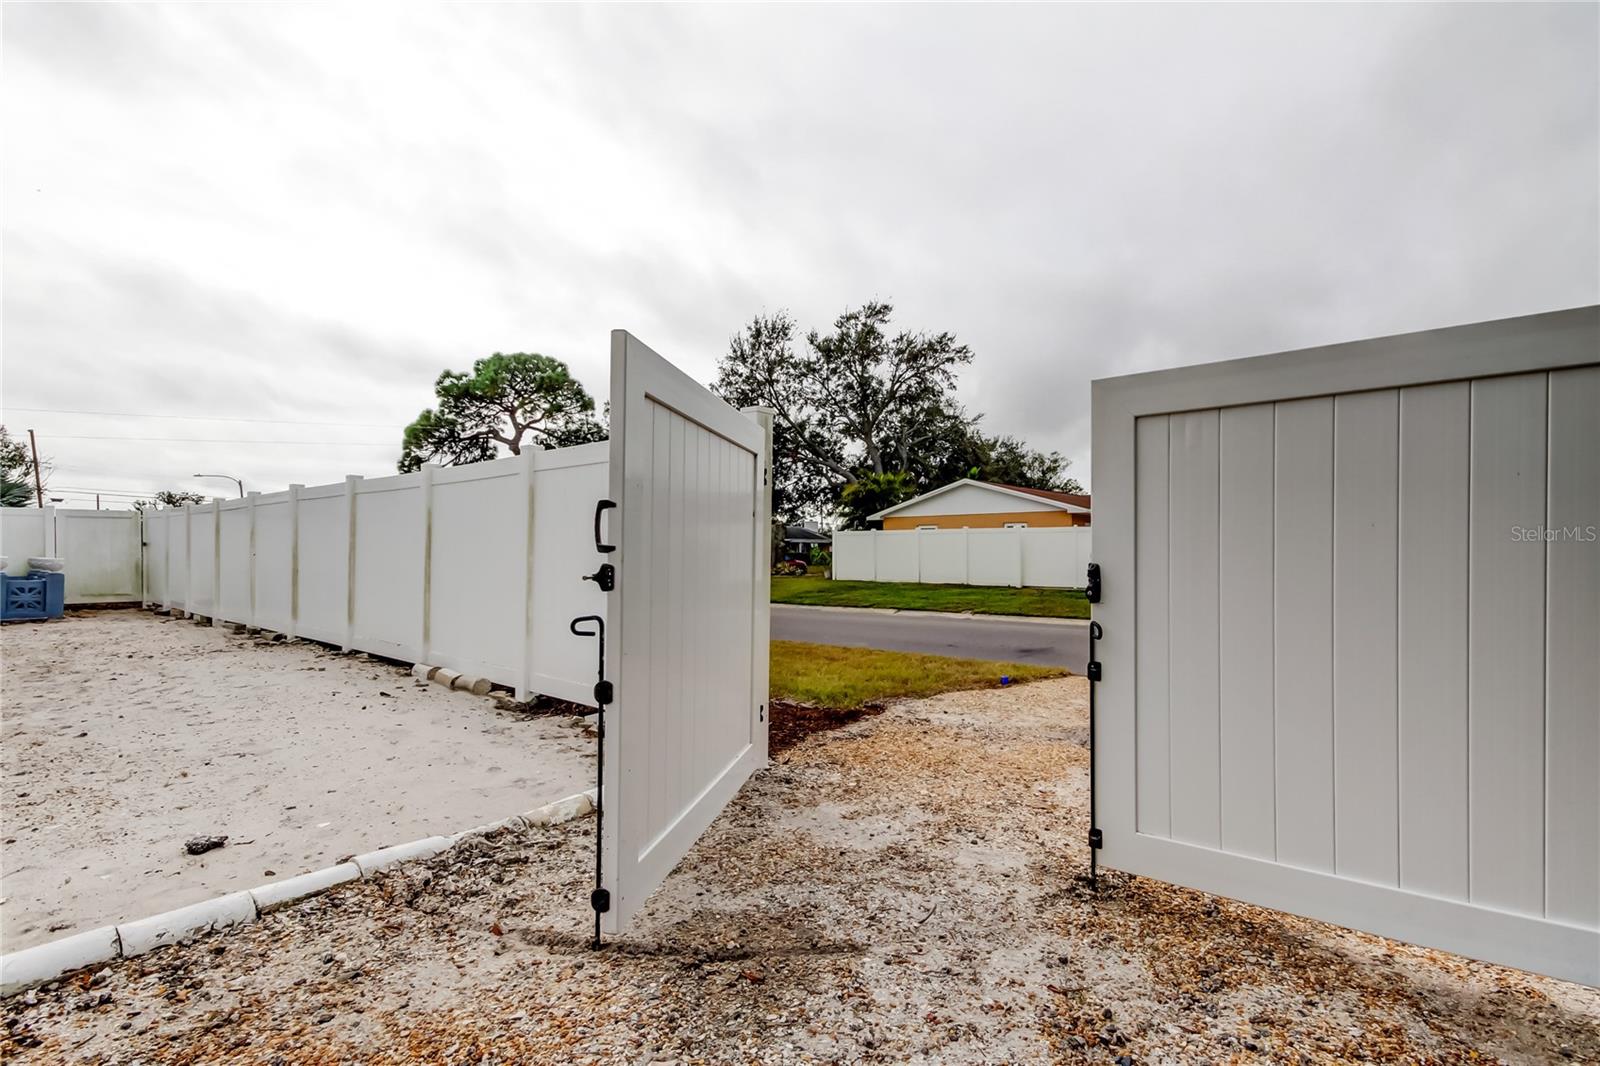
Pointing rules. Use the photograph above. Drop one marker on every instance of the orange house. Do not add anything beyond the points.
(968, 504)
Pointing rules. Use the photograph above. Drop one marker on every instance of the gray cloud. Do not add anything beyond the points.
(305, 213)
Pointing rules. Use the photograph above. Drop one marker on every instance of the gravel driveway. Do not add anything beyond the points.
(126, 733)
(908, 888)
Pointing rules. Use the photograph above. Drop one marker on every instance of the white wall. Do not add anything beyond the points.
(100, 549)
(477, 568)
(1048, 558)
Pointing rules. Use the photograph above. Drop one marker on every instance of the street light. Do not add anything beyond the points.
(226, 477)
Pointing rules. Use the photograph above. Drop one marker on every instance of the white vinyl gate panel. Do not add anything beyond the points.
(687, 620)
(1351, 643)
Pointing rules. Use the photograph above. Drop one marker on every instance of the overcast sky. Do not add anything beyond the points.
(273, 212)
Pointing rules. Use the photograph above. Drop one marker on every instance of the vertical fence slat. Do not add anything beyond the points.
(1572, 710)
(1152, 741)
(252, 517)
(1365, 635)
(1303, 615)
(216, 561)
(1505, 644)
(351, 482)
(425, 651)
(525, 492)
(1244, 630)
(294, 562)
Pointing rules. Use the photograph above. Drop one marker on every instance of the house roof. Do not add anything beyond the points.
(1074, 498)
(1065, 501)
(799, 534)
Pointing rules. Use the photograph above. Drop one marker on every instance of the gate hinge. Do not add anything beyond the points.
(761, 712)
(603, 693)
(1091, 591)
(600, 900)
(1093, 670)
(1094, 838)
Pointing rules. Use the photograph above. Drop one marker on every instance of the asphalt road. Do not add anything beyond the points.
(1052, 642)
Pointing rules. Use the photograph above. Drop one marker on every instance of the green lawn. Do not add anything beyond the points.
(848, 678)
(816, 590)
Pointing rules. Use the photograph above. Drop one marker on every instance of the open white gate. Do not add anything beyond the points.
(688, 618)
(1351, 650)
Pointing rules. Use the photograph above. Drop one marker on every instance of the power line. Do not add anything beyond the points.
(198, 418)
(79, 489)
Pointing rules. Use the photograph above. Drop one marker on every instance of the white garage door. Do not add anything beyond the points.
(1351, 644)
(687, 650)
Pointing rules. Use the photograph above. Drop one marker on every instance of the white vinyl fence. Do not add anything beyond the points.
(1048, 558)
(476, 568)
(100, 549)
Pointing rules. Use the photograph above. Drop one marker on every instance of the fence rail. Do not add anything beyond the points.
(1049, 558)
(476, 568)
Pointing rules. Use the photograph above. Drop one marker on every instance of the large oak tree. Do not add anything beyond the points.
(506, 403)
(865, 403)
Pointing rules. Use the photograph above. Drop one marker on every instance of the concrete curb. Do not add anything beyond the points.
(971, 616)
(382, 859)
(42, 963)
(157, 931)
(45, 962)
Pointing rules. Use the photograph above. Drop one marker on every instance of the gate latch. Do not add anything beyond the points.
(605, 577)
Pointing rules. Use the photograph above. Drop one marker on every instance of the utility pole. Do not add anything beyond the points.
(38, 486)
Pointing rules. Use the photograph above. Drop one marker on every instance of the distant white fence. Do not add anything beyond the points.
(100, 548)
(477, 568)
(1050, 558)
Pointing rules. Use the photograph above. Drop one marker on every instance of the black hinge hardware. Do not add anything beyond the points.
(605, 577)
(761, 711)
(1095, 633)
(1091, 591)
(599, 899)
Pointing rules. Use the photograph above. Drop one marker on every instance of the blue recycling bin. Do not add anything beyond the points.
(41, 594)
(55, 591)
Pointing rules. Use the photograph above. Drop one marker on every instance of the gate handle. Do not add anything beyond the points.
(601, 508)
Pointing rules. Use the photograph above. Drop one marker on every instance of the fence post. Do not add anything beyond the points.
(144, 568)
(166, 577)
(761, 615)
(51, 541)
(216, 560)
(294, 561)
(525, 479)
(350, 483)
(188, 560)
(252, 508)
(425, 650)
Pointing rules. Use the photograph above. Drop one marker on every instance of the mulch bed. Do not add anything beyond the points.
(793, 722)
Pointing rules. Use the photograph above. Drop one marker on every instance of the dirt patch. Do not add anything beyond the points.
(127, 733)
(939, 917)
(793, 722)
